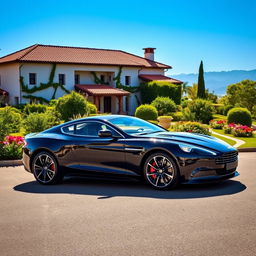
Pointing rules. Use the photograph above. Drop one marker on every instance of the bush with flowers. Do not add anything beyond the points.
(228, 128)
(11, 148)
(238, 130)
(193, 127)
(242, 131)
(217, 124)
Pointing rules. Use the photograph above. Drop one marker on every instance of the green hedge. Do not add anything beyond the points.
(149, 91)
(240, 116)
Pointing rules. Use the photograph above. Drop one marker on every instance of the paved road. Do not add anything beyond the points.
(88, 217)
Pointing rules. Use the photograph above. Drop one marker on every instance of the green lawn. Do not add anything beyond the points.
(229, 141)
(217, 116)
(249, 142)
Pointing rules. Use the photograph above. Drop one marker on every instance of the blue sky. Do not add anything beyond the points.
(221, 32)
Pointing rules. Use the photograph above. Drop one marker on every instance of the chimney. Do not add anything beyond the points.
(149, 53)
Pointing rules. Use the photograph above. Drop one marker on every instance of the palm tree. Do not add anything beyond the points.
(192, 91)
(184, 88)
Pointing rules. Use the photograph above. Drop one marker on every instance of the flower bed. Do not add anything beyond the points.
(11, 148)
(217, 124)
(238, 130)
(193, 127)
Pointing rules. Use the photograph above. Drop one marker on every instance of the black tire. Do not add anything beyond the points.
(46, 169)
(160, 171)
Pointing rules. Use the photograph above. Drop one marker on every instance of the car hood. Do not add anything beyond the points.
(193, 139)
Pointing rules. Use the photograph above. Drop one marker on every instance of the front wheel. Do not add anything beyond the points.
(45, 169)
(160, 171)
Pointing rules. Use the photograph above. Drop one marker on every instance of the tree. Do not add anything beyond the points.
(201, 84)
(242, 94)
(211, 96)
(184, 88)
(192, 91)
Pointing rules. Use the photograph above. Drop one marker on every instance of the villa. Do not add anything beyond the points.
(45, 72)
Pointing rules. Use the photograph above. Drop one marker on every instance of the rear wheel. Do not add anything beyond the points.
(160, 171)
(45, 169)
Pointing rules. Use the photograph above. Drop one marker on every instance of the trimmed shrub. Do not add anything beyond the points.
(164, 105)
(37, 122)
(193, 127)
(198, 110)
(240, 116)
(32, 108)
(177, 116)
(92, 108)
(72, 104)
(10, 121)
(149, 91)
(146, 112)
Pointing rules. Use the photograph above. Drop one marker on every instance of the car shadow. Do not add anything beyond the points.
(112, 188)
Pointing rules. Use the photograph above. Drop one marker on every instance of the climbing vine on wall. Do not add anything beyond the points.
(131, 89)
(43, 86)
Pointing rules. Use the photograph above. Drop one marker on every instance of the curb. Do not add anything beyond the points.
(246, 149)
(6, 163)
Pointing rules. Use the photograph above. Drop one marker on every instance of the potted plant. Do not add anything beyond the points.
(165, 121)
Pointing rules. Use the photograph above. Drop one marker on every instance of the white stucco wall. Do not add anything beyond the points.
(10, 80)
(43, 72)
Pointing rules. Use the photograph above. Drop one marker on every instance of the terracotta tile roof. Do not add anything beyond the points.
(79, 55)
(148, 78)
(3, 92)
(100, 90)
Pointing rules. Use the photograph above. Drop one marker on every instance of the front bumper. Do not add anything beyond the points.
(206, 170)
(26, 159)
(211, 179)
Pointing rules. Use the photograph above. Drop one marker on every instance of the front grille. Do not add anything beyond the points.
(227, 158)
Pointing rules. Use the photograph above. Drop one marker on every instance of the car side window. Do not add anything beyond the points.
(69, 129)
(92, 129)
(88, 129)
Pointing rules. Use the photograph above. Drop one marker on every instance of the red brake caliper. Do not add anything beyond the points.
(153, 170)
(52, 167)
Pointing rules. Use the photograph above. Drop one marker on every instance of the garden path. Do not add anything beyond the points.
(238, 142)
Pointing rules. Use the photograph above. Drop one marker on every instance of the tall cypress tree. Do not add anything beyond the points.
(201, 84)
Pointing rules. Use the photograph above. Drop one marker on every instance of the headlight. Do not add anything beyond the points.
(188, 149)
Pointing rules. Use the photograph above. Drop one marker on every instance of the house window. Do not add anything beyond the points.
(77, 79)
(62, 79)
(127, 80)
(102, 78)
(32, 78)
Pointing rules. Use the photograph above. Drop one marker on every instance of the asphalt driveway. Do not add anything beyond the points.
(90, 217)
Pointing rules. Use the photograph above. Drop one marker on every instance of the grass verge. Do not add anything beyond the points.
(249, 142)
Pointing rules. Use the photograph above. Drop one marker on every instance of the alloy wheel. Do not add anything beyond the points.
(159, 171)
(44, 167)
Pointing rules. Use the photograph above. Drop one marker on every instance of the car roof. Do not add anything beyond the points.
(99, 118)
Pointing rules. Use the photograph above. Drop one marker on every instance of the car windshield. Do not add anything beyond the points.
(133, 125)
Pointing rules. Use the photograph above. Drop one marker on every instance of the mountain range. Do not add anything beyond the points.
(218, 81)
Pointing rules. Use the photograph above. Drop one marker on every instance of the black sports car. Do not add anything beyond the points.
(117, 145)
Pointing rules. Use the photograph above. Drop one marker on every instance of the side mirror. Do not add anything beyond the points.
(105, 134)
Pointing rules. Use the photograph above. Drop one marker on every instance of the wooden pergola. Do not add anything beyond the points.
(99, 90)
